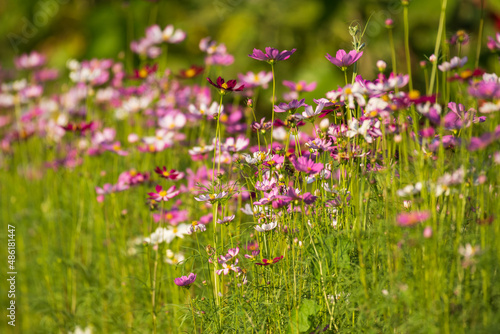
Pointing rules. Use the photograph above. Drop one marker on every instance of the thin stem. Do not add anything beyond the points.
(480, 35)
(407, 43)
(438, 44)
(274, 96)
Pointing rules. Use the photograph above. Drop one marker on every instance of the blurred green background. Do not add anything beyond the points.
(80, 29)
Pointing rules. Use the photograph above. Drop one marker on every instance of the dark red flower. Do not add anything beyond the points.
(267, 262)
(226, 87)
(82, 127)
(144, 72)
(190, 72)
(172, 174)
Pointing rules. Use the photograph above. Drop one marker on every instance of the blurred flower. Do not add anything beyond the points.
(300, 86)
(195, 226)
(412, 218)
(454, 63)
(172, 174)
(290, 107)
(256, 79)
(494, 43)
(191, 72)
(460, 37)
(306, 165)
(29, 61)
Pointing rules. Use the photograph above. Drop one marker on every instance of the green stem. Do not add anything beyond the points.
(438, 44)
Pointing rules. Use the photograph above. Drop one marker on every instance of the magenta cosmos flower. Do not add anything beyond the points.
(163, 195)
(306, 165)
(266, 262)
(412, 218)
(343, 59)
(185, 280)
(226, 87)
(272, 55)
(172, 174)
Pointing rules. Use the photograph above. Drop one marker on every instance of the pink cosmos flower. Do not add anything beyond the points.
(226, 220)
(343, 59)
(306, 165)
(172, 174)
(300, 86)
(30, 61)
(163, 195)
(185, 280)
(272, 55)
(256, 79)
(494, 44)
(412, 218)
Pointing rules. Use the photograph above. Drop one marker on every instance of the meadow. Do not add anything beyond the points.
(159, 199)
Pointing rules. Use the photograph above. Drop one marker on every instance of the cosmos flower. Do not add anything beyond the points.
(272, 55)
(306, 165)
(196, 226)
(412, 218)
(163, 195)
(455, 62)
(290, 107)
(29, 61)
(226, 220)
(266, 262)
(185, 280)
(256, 79)
(172, 174)
(191, 72)
(300, 86)
(212, 198)
(266, 227)
(226, 267)
(494, 43)
(226, 87)
(343, 59)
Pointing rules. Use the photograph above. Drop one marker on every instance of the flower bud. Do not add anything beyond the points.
(381, 65)
(389, 23)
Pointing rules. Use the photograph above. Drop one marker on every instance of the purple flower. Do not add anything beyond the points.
(306, 165)
(458, 117)
(343, 59)
(455, 62)
(272, 55)
(300, 86)
(185, 280)
(290, 107)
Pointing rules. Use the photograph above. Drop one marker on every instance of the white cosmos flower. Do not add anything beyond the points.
(266, 227)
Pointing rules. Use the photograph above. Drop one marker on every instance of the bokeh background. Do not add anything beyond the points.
(84, 29)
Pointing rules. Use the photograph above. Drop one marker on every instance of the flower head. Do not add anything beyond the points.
(266, 262)
(226, 87)
(343, 59)
(272, 55)
(163, 195)
(412, 218)
(185, 280)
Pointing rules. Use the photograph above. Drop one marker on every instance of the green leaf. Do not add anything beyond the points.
(299, 321)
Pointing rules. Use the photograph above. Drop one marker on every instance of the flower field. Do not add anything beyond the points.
(160, 199)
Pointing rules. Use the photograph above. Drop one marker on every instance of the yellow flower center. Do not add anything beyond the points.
(211, 196)
(299, 87)
(143, 73)
(169, 216)
(224, 85)
(190, 73)
(194, 223)
(162, 193)
(256, 77)
(224, 118)
(116, 147)
(133, 172)
(414, 94)
(385, 98)
(166, 173)
(348, 91)
(152, 148)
